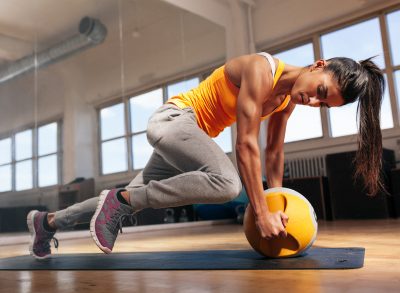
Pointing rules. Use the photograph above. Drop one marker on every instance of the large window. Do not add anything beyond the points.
(29, 158)
(397, 82)
(23, 158)
(48, 155)
(141, 108)
(124, 144)
(358, 42)
(182, 86)
(393, 23)
(5, 164)
(113, 139)
(305, 121)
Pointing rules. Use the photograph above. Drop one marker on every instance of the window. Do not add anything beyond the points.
(5, 165)
(141, 108)
(30, 158)
(182, 86)
(224, 140)
(117, 141)
(47, 155)
(393, 23)
(23, 157)
(305, 121)
(397, 83)
(358, 42)
(113, 140)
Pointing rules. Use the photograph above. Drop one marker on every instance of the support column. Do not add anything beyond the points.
(78, 136)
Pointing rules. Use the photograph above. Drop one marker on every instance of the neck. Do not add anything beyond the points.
(288, 78)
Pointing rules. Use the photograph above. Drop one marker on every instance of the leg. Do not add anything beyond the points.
(204, 174)
(186, 167)
(78, 213)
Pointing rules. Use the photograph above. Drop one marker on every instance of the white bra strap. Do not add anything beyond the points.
(270, 60)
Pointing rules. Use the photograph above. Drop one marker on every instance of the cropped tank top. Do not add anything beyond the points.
(214, 99)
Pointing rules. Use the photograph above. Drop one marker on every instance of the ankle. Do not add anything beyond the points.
(51, 221)
(125, 195)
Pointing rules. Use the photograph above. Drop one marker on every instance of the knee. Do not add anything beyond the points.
(153, 133)
(232, 188)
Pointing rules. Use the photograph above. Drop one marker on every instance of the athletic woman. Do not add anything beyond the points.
(188, 167)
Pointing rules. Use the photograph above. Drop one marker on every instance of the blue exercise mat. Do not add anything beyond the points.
(315, 259)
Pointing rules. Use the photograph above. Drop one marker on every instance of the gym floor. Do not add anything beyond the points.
(381, 271)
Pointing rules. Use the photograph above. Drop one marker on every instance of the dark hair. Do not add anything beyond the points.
(363, 81)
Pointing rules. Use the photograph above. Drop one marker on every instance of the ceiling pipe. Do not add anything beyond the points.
(91, 33)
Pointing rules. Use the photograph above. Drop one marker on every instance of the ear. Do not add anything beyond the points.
(319, 64)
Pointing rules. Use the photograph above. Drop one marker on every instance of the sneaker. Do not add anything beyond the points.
(107, 219)
(39, 246)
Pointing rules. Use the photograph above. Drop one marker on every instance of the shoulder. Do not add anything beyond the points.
(258, 69)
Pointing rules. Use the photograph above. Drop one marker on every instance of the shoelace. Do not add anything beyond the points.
(46, 246)
(132, 220)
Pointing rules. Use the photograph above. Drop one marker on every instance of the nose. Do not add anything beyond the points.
(313, 102)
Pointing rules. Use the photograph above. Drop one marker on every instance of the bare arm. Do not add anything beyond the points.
(253, 90)
(256, 84)
(274, 155)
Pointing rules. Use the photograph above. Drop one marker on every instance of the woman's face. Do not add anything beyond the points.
(316, 88)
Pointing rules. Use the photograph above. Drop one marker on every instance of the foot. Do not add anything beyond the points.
(107, 219)
(39, 246)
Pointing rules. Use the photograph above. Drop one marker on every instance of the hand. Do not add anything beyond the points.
(272, 225)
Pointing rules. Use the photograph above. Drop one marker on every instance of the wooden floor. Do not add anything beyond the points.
(381, 272)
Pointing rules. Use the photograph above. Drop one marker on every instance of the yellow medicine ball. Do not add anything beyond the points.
(301, 228)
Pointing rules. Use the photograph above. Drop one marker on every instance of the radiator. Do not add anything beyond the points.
(305, 167)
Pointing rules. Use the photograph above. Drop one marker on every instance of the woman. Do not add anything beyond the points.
(188, 167)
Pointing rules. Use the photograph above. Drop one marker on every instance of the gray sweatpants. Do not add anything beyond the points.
(186, 167)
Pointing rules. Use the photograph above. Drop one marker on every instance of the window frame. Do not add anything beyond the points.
(35, 155)
(327, 141)
(200, 74)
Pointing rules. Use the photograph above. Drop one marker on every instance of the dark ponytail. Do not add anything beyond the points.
(364, 81)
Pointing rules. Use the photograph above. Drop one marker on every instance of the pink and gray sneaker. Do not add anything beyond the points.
(107, 219)
(39, 246)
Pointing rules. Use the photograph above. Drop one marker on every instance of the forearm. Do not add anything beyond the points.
(274, 163)
(249, 164)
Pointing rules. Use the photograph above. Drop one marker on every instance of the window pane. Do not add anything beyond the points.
(393, 22)
(304, 122)
(5, 151)
(359, 41)
(48, 171)
(397, 83)
(386, 109)
(114, 157)
(112, 121)
(5, 175)
(142, 151)
(224, 140)
(181, 87)
(142, 107)
(343, 119)
(47, 139)
(23, 175)
(299, 56)
(23, 145)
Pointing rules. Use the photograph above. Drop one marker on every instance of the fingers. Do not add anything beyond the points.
(284, 218)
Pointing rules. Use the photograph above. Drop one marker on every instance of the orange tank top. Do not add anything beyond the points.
(214, 101)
